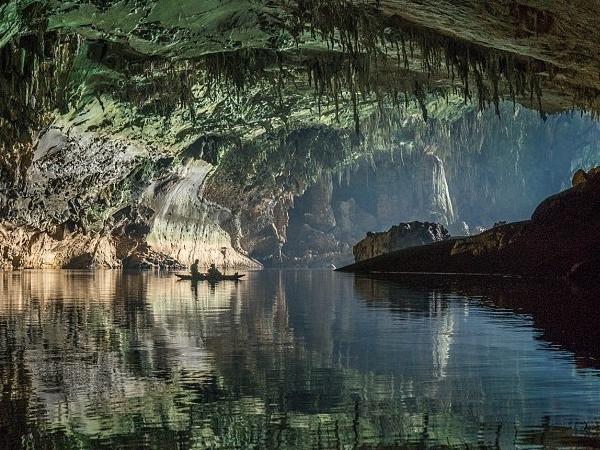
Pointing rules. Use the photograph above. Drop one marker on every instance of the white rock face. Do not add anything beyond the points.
(439, 195)
(186, 226)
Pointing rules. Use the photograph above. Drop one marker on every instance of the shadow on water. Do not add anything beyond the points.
(293, 359)
(567, 316)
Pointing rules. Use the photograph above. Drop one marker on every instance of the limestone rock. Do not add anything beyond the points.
(398, 237)
(576, 205)
(579, 177)
(351, 218)
(130, 95)
(562, 238)
(20, 248)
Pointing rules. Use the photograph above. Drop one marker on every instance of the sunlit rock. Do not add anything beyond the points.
(187, 226)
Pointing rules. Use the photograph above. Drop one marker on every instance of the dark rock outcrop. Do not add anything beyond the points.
(399, 237)
(562, 237)
(586, 274)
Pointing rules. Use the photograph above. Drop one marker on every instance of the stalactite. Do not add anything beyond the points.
(355, 28)
(368, 58)
(33, 72)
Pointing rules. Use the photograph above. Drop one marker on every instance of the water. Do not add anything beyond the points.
(293, 359)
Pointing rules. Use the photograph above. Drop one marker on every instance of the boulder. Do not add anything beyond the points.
(398, 237)
(579, 204)
(579, 177)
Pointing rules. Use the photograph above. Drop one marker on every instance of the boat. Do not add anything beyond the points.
(205, 277)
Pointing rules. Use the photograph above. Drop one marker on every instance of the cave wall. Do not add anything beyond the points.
(466, 173)
(141, 134)
(303, 197)
(499, 169)
(90, 199)
(187, 226)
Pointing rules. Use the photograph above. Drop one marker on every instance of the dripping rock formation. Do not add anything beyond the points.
(260, 132)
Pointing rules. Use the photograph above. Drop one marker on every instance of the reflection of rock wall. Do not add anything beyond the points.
(398, 237)
(135, 356)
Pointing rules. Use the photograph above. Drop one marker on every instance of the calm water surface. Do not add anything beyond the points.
(293, 359)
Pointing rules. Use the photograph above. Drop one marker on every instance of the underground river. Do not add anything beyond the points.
(293, 359)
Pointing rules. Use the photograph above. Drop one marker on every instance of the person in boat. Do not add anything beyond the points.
(213, 272)
(194, 269)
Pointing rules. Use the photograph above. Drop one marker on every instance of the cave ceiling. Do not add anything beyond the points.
(175, 70)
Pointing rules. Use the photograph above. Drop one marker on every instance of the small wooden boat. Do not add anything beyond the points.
(205, 277)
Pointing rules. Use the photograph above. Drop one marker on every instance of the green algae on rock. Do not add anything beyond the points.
(109, 103)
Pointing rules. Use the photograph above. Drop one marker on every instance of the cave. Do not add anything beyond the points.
(245, 211)
(467, 174)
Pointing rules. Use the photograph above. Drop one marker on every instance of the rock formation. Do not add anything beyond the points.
(467, 172)
(398, 237)
(158, 133)
(562, 237)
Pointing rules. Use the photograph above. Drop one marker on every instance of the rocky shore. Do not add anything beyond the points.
(398, 237)
(561, 239)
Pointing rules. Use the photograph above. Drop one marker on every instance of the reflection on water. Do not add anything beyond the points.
(293, 359)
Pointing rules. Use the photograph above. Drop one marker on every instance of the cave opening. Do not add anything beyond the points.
(479, 172)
